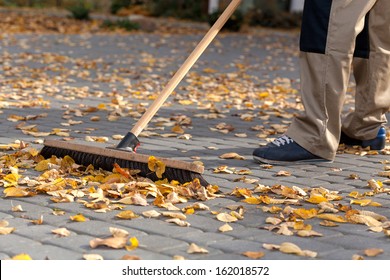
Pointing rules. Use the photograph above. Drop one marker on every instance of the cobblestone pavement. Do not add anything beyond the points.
(75, 72)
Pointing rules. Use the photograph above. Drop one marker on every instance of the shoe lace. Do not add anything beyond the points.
(283, 140)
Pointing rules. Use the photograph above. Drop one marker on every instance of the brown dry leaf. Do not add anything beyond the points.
(6, 230)
(226, 218)
(117, 232)
(254, 255)
(271, 246)
(327, 223)
(151, 214)
(92, 257)
(308, 233)
(373, 252)
(225, 228)
(195, 249)
(283, 173)
(17, 208)
(232, 156)
(174, 215)
(367, 220)
(130, 258)
(284, 230)
(357, 257)
(127, 215)
(291, 248)
(38, 221)
(273, 220)
(332, 217)
(61, 232)
(112, 242)
(179, 222)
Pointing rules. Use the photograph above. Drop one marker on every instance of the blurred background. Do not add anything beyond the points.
(267, 13)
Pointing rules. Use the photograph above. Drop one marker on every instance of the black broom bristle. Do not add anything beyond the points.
(107, 163)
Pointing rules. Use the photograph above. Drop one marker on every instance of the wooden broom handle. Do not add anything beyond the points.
(183, 70)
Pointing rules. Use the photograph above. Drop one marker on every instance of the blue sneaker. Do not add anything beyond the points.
(285, 150)
(378, 143)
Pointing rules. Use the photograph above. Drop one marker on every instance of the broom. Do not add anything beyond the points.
(124, 153)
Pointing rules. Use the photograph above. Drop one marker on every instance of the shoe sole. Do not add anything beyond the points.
(278, 162)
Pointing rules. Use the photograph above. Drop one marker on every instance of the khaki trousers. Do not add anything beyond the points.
(325, 77)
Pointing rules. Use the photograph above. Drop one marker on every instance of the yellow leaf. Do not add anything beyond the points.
(11, 180)
(332, 217)
(16, 192)
(361, 202)
(127, 215)
(43, 165)
(305, 213)
(134, 243)
(22, 257)
(254, 255)
(157, 166)
(316, 199)
(78, 218)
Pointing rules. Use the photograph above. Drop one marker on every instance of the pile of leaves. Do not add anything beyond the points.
(102, 191)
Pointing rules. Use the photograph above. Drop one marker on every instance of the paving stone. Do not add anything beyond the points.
(156, 243)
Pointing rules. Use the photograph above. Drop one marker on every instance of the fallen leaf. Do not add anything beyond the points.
(174, 215)
(373, 252)
(61, 232)
(232, 156)
(127, 215)
(226, 218)
(21, 257)
(17, 208)
(112, 242)
(254, 255)
(179, 222)
(78, 218)
(134, 243)
(117, 232)
(225, 228)
(151, 214)
(92, 257)
(332, 217)
(308, 233)
(195, 249)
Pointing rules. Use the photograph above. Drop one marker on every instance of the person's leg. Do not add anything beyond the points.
(372, 75)
(326, 60)
(328, 35)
